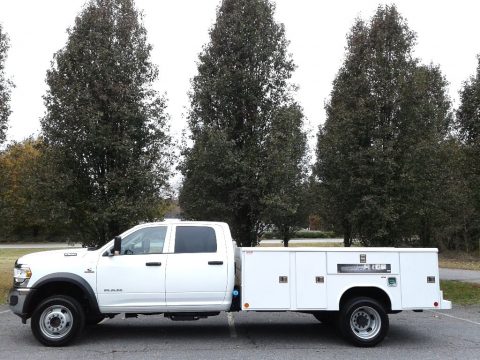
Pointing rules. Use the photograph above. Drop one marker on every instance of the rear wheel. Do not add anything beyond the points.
(57, 320)
(363, 321)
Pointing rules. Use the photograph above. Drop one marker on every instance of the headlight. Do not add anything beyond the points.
(21, 274)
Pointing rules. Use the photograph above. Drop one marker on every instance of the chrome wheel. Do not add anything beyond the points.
(365, 322)
(56, 321)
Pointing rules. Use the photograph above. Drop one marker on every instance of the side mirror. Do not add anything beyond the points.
(117, 245)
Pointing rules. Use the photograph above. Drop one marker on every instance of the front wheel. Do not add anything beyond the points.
(363, 321)
(57, 320)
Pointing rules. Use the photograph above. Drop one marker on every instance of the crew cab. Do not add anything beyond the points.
(192, 270)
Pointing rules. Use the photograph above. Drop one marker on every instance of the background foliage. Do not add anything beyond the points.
(395, 164)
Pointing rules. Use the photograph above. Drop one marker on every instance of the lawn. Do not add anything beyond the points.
(459, 260)
(7, 260)
(461, 293)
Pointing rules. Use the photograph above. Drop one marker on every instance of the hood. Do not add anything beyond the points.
(53, 255)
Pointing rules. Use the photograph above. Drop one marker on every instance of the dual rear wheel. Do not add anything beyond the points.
(363, 321)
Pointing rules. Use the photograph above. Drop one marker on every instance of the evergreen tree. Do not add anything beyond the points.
(237, 99)
(379, 146)
(468, 124)
(5, 86)
(285, 201)
(468, 113)
(105, 125)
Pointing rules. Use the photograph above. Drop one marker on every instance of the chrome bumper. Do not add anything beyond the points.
(18, 299)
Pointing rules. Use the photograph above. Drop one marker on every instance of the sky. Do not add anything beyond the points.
(447, 35)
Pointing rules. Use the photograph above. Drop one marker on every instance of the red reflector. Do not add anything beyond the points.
(435, 304)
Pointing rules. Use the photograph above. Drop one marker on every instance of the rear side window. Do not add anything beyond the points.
(195, 239)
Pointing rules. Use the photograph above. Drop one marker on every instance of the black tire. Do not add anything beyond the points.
(57, 320)
(326, 317)
(363, 321)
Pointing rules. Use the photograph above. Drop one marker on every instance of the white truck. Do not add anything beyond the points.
(192, 270)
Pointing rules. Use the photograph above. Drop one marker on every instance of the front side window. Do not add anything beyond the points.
(195, 239)
(148, 240)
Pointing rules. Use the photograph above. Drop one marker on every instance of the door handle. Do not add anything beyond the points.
(153, 264)
(215, 263)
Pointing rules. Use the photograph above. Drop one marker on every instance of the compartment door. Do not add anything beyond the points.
(311, 271)
(416, 270)
(266, 280)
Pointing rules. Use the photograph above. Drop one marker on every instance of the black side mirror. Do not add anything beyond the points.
(117, 245)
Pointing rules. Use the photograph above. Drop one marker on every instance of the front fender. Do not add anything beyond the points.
(61, 278)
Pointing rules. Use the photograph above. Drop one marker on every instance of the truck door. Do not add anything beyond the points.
(197, 268)
(135, 279)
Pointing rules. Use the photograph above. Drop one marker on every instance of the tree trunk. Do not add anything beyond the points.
(286, 235)
(246, 236)
(347, 234)
(425, 240)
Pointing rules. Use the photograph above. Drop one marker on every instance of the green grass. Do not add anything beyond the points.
(7, 261)
(461, 293)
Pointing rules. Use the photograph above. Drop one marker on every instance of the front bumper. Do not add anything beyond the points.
(18, 301)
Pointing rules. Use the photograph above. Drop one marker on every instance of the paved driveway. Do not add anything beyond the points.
(428, 335)
(460, 275)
